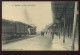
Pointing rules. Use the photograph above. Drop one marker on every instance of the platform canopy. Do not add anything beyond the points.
(63, 10)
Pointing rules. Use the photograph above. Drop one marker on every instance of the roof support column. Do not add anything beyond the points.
(64, 25)
(74, 26)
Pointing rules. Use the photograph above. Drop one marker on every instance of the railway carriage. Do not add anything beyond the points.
(15, 29)
(21, 29)
(7, 29)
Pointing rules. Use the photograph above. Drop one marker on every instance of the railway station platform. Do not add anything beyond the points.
(39, 43)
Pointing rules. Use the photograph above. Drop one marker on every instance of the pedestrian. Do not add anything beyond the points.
(46, 32)
(41, 33)
(52, 34)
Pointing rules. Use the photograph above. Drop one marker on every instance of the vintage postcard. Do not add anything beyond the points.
(40, 26)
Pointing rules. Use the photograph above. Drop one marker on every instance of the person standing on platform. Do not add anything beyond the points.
(52, 34)
(42, 33)
(46, 32)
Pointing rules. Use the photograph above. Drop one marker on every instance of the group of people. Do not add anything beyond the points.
(52, 34)
(42, 33)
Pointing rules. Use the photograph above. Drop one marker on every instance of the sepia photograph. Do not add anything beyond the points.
(40, 26)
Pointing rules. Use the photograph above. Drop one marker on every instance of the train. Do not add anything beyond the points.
(16, 29)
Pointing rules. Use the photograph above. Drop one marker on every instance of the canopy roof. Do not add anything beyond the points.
(63, 9)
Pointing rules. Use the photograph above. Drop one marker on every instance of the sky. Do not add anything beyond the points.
(37, 13)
